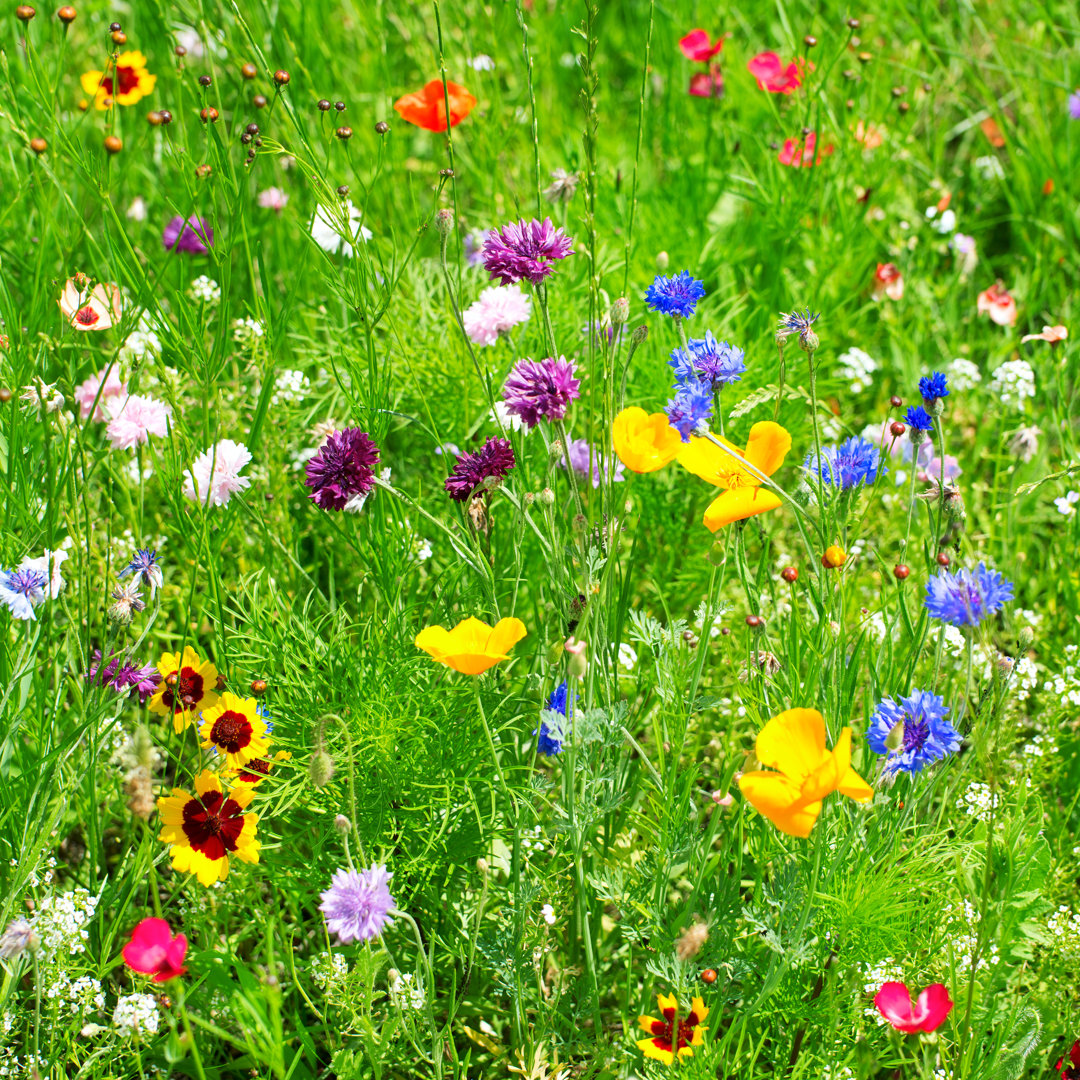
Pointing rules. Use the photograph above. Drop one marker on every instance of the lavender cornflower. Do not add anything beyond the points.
(691, 406)
(194, 235)
(341, 474)
(357, 906)
(474, 247)
(490, 463)
(22, 591)
(798, 322)
(676, 296)
(120, 675)
(966, 597)
(1074, 105)
(581, 453)
(918, 419)
(933, 388)
(540, 388)
(144, 565)
(552, 730)
(17, 938)
(923, 735)
(856, 461)
(714, 363)
(127, 600)
(524, 251)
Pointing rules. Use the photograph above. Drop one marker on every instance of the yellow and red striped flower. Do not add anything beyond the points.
(126, 83)
(235, 728)
(673, 1034)
(187, 688)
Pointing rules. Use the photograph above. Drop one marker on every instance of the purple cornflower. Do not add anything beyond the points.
(714, 363)
(22, 591)
(144, 565)
(540, 388)
(855, 461)
(691, 406)
(966, 597)
(340, 474)
(194, 235)
(474, 247)
(924, 736)
(524, 251)
(357, 905)
(120, 675)
(1074, 105)
(918, 419)
(491, 462)
(798, 322)
(581, 454)
(552, 731)
(676, 296)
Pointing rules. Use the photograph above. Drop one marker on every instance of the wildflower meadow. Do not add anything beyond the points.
(540, 539)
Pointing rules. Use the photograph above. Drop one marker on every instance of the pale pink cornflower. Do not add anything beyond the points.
(215, 474)
(132, 420)
(273, 198)
(498, 310)
(86, 392)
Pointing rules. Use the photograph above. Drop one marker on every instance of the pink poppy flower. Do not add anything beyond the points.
(132, 420)
(998, 304)
(797, 153)
(708, 84)
(153, 950)
(89, 309)
(888, 281)
(86, 392)
(695, 46)
(772, 76)
(1049, 333)
(893, 1001)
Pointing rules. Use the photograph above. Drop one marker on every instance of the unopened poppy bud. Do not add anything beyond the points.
(444, 221)
(895, 739)
(716, 554)
(639, 335)
(663, 261)
(321, 768)
(482, 865)
(342, 825)
(392, 976)
(1025, 638)
(620, 311)
(834, 557)
(66, 14)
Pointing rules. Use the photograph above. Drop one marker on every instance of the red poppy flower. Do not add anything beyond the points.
(797, 153)
(695, 46)
(427, 108)
(888, 281)
(1069, 1066)
(707, 83)
(772, 76)
(931, 1009)
(153, 950)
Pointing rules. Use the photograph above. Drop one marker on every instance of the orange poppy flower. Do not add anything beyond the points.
(744, 496)
(427, 108)
(472, 646)
(644, 443)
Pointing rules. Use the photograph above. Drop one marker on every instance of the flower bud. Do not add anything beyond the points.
(547, 497)
(482, 865)
(578, 664)
(444, 221)
(342, 825)
(895, 739)
(321, 768)
(834, 557)
(663, 261)
(1026, 638)
(639, 335)
(620, 311)
(808, 341)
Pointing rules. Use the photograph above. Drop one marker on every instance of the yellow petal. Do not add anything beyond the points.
(794, 743)
(651, 1050)
(704, 458)
(667, 1003)
(646, 1022)
(91, 81)
(207, 781)
(767, 446)
(737, 504)
(699, 1009)
(778, 799)
(506, 634)
(644, 443)
(434, 640)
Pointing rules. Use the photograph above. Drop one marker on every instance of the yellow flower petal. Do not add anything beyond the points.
(738, 504)
(704, 458)
(644, 443)
(793, 742)
(778, 799)
(91, 81)
(505, 635)
(472, 646)
(767, 446)
(207, 781)
(649, 1048)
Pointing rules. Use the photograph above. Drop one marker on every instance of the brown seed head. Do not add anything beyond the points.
(896, 402)
(755, 622)
(809, 41)
(790, 573)
(259, 101)
(203, 171)
(900, 571)
(166, 116)
(39, 145)
(249, 71)
(118, 37)
(208, 115)
(942, 558)
(5, 394)
(113, 144)
(153, 119)
(24, 13)
(382, 127)
(344, 133)
(853, 23)
(258, 687)
(708, 976)
(67, 14)
(281, 77)
(324, 105)
(180, 51)
(896, 429)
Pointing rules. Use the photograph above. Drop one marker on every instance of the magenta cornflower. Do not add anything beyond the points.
(341, 474)
(491, 462)
(194, 235)
(357, 906)
(524, 251)
(540, 388)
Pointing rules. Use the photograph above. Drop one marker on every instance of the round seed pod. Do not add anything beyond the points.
(113, 144)
(67, 14)
(281, 77)
(39, 145)
(249, 71)
(24, 13)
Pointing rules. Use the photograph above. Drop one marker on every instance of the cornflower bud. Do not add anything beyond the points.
(639, 335)
(342, 825)
(444, 222)
(620, 311)
(663, 261)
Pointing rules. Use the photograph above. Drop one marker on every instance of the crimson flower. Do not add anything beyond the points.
(797, 153)
(1069, 1065)
(772, 76)
(931, 1008)
(708, 84)
(695, 46)
(153, 950)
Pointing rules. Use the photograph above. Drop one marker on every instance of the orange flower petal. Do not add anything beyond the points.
(793, 742)
(738, 504)
(644, 443)
(767, 446)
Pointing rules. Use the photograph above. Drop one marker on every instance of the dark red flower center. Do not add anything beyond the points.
(186, 694)
(673, 1034)
(213, 824)
(255, 770)
(231, 731)
(127, 79)
(86, 316)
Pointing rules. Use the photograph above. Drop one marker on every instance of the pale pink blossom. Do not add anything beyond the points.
(89, 309)
(888, 281)
(1049, 333)
(132, 420)
(273, 198)
(498, 310)
(215, 474)
(998, 304)
(86, 392)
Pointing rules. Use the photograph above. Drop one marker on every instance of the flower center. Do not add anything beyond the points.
(231, 731)
(212, 824)
(916, 732)
(187, 693)
(86, 316)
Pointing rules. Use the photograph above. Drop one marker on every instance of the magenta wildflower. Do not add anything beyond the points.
(194, 235)
(120, 675)
(540, 388)
(524, 251)
(491, 462)
(340, 474)
(357, 905)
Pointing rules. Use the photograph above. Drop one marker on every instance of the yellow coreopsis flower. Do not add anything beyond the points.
(793, 743)
(204, 829)
(743, 496)
(644, 443)
(472, 646)
(235, 728)
(126, 84)
(187, 687)
(673, 1034)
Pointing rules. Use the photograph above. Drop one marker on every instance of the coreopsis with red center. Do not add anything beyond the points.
(125, 83)
(673, 1034)
(235, 729)
(188, 687)
(154, 951)
(203, 830)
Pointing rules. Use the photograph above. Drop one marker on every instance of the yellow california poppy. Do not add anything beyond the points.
(472, 646)
(127, 84)
(644, 443)
(744, 496)
(793, 743)
(673, 1034)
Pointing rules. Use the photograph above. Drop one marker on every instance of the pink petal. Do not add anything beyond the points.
(932, 1008)
(695, 46)
(894, 1003)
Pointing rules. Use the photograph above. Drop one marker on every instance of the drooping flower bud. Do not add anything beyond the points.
(342, 825)
(321, 768)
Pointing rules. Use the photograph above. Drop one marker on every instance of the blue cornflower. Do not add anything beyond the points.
(714, 363)
(854, 462)
(798, 322)
(22, 591)
(925, 736)
(144, 565)
(918, 419)
(692, 404)
(966, 597)
(934, 386)
(676, 296)
(553, 719)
